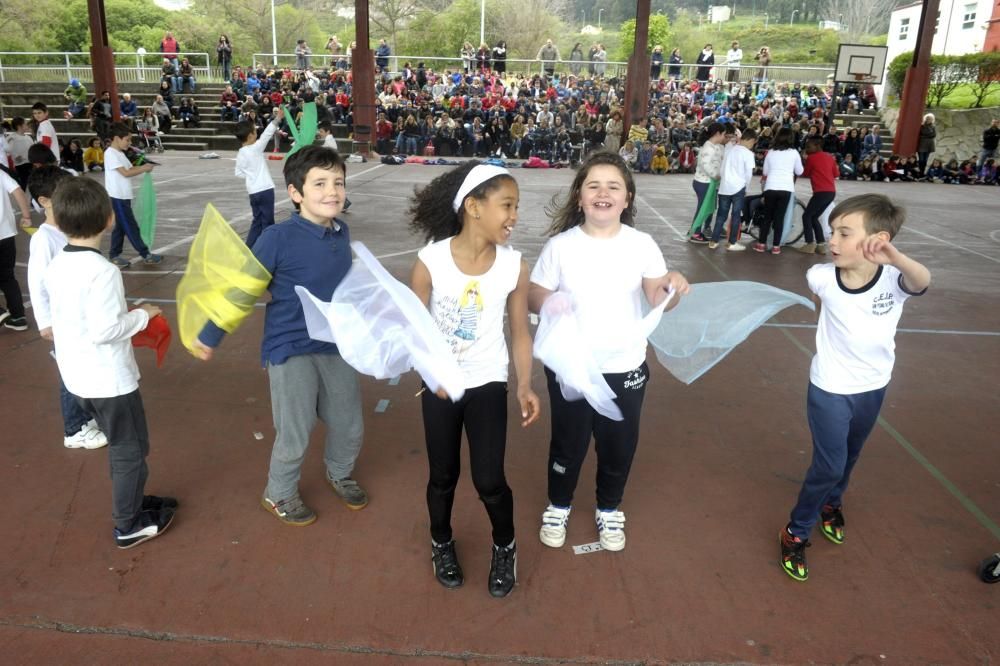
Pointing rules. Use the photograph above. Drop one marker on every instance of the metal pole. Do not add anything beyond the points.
(792, 20)
(69, 72)
(599, 12)
(765, 20)
(482, 22)
(274, 38)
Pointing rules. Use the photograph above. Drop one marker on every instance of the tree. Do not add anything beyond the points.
(391, 15)
(659, 33)
(860, 17)
(947, 74)
(984, 72)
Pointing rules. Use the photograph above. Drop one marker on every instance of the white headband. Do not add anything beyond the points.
(479, 175)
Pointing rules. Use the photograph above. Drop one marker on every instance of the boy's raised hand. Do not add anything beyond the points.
(879, 250)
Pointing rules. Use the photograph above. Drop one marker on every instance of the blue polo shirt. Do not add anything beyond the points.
(295, 252)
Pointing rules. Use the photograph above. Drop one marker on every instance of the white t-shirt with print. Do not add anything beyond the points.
(604, 278)
(117, 185)
(855, 337)
(469, 310)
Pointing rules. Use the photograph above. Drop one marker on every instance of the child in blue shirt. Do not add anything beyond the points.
(308, 378)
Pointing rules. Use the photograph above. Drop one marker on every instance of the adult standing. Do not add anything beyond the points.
(333, 46)
(576, 59)
(225, 51)
(382, 55)
(763, 59)
(600, 61)
(705, 62)
(591, 62)
(656, 63)
(674, 70)
(468, 55)
(548, 54)
(614, 129)
(170, 47)
(500, 58)
(734, 58)
(925, 144)
(991, 139)
(302, 54)
(483, 58)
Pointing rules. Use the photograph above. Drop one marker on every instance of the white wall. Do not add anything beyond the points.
(953, 36)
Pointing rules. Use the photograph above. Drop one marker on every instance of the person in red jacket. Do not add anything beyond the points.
(822, 171)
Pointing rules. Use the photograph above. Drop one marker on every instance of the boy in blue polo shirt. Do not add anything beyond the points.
(308, 378)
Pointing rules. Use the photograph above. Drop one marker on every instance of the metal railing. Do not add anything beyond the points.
(138, 66)
(130, 66)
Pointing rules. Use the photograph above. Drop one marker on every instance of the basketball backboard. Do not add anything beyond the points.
(860, 63)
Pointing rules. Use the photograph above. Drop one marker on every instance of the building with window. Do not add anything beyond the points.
(960, 27)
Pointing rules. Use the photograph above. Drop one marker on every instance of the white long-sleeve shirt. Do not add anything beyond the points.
(780, 168)
(91, 325)
(251, 165)
(44, 245)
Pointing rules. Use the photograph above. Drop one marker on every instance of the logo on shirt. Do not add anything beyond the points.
(883, 303)
(470, 306)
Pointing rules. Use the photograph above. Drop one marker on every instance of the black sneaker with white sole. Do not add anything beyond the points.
(149, 525)
(503, 570)
(16, 323)
(446, 567)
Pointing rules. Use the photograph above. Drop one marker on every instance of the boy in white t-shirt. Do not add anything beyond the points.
(736, 174)
(117, 170)
(860, 296)
(79, 430)
(46, 132)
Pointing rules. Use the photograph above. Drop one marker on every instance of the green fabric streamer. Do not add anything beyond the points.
(305, 133)
(707, 208)
(145, 210)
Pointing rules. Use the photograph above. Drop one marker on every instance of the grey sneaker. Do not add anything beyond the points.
(152, 259)
(120, 262)
(354, 496)
(290, 511)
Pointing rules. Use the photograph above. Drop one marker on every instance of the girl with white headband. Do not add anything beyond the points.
(605, 268)
(467, 277)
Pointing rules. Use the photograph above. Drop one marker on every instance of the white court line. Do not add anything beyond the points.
(955, 245)
(399, 254)
(170, 180)
(680, 236)
(380, 196)
(188, 239)
(932, 331)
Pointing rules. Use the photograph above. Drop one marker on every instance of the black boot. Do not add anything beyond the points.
(446, 567)
(503, 570)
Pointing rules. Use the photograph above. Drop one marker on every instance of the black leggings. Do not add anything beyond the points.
(775, 204)
(573, 424)
(8, 282)
(810, 218)
(483, 413)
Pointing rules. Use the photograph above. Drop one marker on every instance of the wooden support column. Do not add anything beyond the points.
(918, 78)
(637, 83)
(102, 60)
(363, 86)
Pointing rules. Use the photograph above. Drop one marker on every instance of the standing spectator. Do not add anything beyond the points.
(576, 59)
(101, 115)
(500, 58)
(991, 139)
(382, 55)
(548, 54)
(45, 132)
(734, 58)
(302, 53)
(591, 61)
(483, 58)
(349, 53)
(169, 47)
(705, 62)
(468, 55)
(225, 51)
(333, 46)
(674, 70)
(656, 63)
(763, 59)
(614, 129)
(600, 60)
(925, 145)
(76, 96)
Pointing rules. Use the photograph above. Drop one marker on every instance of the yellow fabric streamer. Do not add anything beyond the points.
(222, 282)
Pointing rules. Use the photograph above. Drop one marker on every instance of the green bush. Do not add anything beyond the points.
(977, 73)
(897, 70)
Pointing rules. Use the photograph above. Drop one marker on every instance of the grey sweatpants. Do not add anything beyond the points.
(303, 388)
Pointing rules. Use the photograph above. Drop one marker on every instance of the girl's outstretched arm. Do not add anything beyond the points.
(517, 316)
(537, 296)
(656, 289)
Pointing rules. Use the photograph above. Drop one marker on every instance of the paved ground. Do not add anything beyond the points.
(717, 470)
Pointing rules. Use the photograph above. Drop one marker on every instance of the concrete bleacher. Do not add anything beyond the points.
(17, 98)
(862, 120)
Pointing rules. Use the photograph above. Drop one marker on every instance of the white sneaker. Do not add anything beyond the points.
(611, 528)
(735, 247)
(89, 437)
(553, 532)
